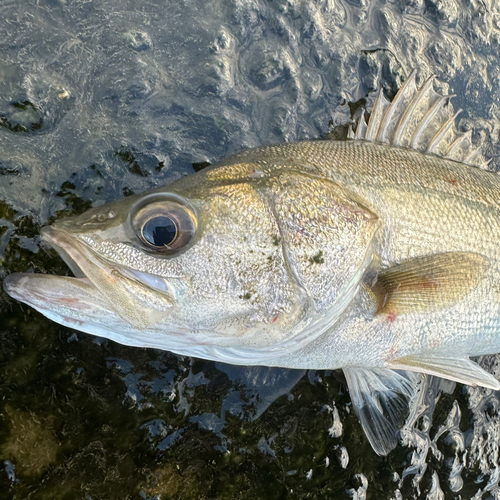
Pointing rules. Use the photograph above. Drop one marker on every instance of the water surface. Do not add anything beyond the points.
(101, 99)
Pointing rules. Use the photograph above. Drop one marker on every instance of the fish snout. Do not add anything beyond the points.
(15, 284)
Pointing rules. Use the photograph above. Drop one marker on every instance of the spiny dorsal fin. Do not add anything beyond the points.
(419, 118)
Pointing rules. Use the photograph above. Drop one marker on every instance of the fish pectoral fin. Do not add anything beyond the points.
(461, 370)
(381, 400)
(428, 283)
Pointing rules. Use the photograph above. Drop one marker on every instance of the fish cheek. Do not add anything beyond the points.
(237, 264)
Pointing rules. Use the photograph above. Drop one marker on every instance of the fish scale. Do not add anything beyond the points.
(364, 255)
(455, 211)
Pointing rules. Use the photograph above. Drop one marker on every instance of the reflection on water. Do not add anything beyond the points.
(102, 99)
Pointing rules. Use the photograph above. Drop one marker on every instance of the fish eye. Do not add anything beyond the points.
(164, 226)
(160, 231)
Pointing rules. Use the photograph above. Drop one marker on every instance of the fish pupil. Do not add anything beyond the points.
(160, 231)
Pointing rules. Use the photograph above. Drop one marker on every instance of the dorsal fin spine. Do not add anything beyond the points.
(472, 155)
(433, 145)
(389, 112)
(361, 128)
(426, 120)
(378, 111)
(457, 142)
(401, 128)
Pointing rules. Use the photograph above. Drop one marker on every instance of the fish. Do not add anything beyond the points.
(378, 255)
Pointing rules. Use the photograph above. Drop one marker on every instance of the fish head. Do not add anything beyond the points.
(240, 263)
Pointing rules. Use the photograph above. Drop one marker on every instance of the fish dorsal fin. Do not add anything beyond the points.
(376, 118)
(421, 119)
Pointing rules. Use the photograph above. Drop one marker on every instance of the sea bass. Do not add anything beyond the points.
(379, 255)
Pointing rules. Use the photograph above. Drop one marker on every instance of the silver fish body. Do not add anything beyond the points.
(427, 206)
(378, 258)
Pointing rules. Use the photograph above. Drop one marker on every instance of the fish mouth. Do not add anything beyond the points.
(66, 247)
(99, 288)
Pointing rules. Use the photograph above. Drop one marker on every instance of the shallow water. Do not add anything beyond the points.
(106, 98)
